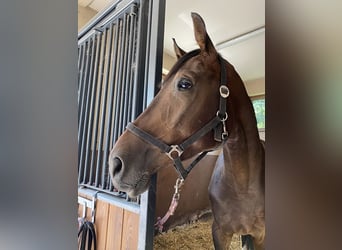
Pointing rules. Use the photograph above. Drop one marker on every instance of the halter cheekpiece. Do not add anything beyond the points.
(217, 124)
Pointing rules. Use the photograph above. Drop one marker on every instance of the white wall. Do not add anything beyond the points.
(255, 87)
(84, 15)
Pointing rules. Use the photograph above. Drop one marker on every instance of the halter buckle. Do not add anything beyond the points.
(224, 91)
(174, 148)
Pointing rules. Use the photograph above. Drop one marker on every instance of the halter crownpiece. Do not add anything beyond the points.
(220, 132)
(218, 124)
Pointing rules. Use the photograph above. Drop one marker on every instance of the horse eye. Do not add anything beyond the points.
(184, 84)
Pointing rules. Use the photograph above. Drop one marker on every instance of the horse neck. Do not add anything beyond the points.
(243, 152)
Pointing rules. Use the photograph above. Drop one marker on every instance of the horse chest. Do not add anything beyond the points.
(237, 217)
(235, 211)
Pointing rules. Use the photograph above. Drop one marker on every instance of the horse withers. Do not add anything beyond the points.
(202, 105)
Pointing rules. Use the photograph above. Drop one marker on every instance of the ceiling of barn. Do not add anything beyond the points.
(225, 20)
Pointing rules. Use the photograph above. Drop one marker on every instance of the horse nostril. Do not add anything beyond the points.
(116, 166)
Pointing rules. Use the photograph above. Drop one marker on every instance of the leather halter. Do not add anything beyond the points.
(217, 124)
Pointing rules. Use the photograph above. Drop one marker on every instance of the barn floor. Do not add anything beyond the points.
(196, 235)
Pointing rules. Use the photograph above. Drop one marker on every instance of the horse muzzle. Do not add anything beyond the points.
(123, 180)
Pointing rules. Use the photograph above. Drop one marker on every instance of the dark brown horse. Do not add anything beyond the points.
(202, 105)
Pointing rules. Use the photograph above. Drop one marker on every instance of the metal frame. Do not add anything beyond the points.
(107, 80)
(148, 199)
(120, 64)
(113, 200)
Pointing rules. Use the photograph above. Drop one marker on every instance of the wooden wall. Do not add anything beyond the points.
(116, 228)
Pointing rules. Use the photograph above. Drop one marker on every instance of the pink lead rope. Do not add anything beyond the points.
(174, 203)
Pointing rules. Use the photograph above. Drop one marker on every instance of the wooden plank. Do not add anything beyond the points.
(101, 222)
(114, 229)
(130, 231)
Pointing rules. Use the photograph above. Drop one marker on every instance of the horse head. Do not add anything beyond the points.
(187, 101)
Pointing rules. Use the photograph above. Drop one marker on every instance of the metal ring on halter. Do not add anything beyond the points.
(224, 91)
(224, 118)
(174, 148)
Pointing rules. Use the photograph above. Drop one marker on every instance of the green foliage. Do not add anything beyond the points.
(259, 109)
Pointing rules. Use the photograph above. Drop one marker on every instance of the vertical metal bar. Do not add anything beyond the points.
(130, 70)
(114, 98)
(81, 73)
(147, 62)
(103, 114)
(135, 63)
(115, 88)
(124, 109)
(81, 120)
(79, 52)
(98, 104)
(100, 112)
(107, 120)
(111, 98)
(116, 94)
(120, 83)
(92, 107)
(85, 139)
(78, 59)
(140, 60)
(123, 69)
(156, 49)
(80, 85)
(147, 207)
(83, 76)
(117, 80)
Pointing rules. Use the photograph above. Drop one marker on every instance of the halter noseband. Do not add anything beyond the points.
(217, 124)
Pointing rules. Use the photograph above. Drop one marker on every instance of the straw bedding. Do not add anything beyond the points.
(196, 235)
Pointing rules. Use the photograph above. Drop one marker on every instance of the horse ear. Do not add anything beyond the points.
(179, 52)
(201, 35)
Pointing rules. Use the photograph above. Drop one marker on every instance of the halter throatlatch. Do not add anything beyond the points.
(218, 124)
